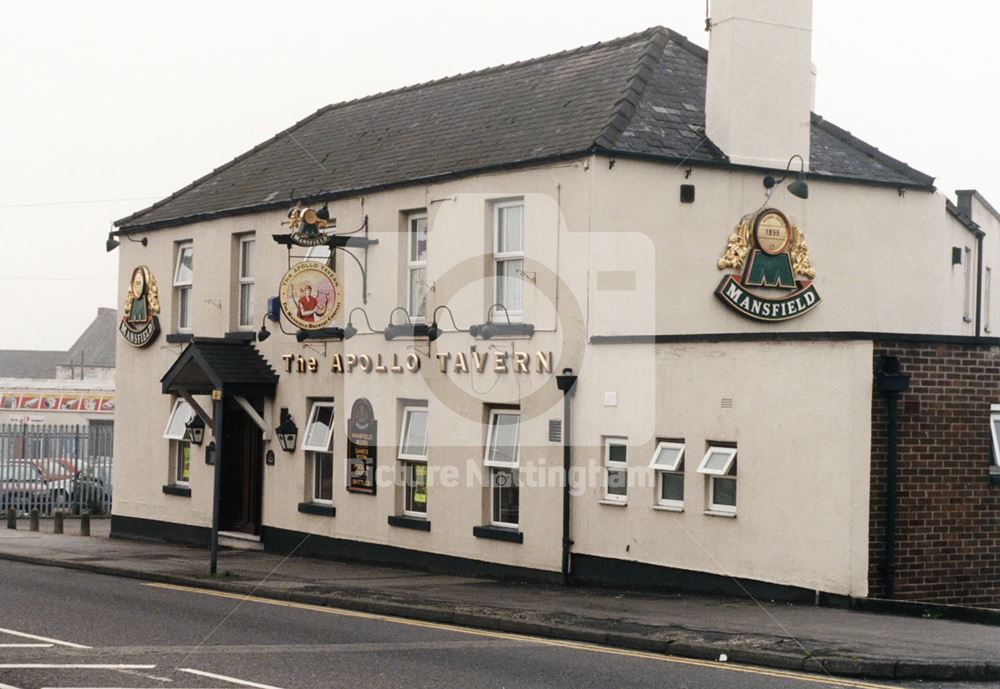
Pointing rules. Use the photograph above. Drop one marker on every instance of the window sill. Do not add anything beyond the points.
(406, 522)
(614, 503)
(179, 338)
(317, 509)
(719, 513)
(498, 533)
(668, 508)
(174, 489)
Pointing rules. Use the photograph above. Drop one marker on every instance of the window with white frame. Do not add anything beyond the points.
(246, 280)
(416, 266)
(995, 432)
(502, 457)
(317, 443)
(668, 463)
(719, 467)
(180, 447)
(508, 257)
(967, 304)
(615, 469)
(413, 458)
(183, 280)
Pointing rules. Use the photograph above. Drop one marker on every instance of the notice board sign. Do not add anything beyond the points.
(362, 448)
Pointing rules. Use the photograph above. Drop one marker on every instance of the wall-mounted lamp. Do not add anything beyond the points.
(331, 333)
(195, 429)
(287, 431)
(263, 333)
(799, 187)
(407, 329)
(491, 329)
(111, 244)
(350, 331)
(434, 332)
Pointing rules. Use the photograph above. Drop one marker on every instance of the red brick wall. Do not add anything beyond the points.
(948, 524)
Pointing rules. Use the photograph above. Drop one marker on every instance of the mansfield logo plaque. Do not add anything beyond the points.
(139, 324)
(771, 278)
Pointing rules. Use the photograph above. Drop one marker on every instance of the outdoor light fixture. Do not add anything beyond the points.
(263, 333)
(287, 431)
(491, 329)
(331, 333)
(195, 429)
(111, 244)
(350, 331)
(434, 332)
(407, 329)
(799, 187)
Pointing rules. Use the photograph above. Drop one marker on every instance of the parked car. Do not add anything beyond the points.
(23, 487)
(92, 487)
(60, 475)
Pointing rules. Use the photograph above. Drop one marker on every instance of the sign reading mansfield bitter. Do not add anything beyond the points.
(772, 277)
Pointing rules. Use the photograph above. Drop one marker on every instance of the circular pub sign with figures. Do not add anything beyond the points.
(310, 295)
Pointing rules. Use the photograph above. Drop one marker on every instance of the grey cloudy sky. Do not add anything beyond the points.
(110, 105)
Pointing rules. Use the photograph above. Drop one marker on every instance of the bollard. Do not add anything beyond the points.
(34, 520)
(85, 524)
(11, 518)
(57, 522)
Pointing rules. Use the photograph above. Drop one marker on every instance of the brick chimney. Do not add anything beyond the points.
(759, 91)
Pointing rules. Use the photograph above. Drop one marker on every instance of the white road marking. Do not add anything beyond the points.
(26, 646)
(72, 666)
(41, 638)
(6, 686)
(223, 678)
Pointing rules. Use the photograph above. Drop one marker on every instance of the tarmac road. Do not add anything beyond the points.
(61, 628)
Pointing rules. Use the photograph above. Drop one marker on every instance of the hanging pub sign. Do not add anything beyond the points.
(310, 295)
(771, 278)
(140, 324)
(307, 225)
(362, 448)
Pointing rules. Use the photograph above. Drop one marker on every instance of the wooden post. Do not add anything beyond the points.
(34, 520)
(57, 522)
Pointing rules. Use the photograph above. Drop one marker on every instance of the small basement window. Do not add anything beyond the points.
(719, 467)
(995, 432)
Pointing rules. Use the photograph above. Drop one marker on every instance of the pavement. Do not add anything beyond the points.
(824, 640)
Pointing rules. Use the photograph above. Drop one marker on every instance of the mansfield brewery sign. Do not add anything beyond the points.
(771, 278)
(139, 324)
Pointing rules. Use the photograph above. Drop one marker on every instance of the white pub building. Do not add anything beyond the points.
(629, 313)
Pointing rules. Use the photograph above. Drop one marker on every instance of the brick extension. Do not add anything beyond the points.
(948, 529)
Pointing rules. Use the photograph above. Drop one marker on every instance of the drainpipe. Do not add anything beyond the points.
(566, 382)
(891, 383)
(979, 282)
(217, 486)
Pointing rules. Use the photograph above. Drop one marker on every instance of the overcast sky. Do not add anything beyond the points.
(108, 106)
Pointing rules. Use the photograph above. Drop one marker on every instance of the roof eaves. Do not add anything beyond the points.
(355, 191)
(963, 219)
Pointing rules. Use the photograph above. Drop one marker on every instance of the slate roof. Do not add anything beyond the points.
(96, 344)
(641, 95)
(234, 367)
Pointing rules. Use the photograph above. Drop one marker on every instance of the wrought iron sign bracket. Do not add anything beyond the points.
(344, 242)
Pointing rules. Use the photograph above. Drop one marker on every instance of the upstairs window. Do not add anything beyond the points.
(183, 279)
(508, 258)
(719, 467)
(246, 281)
(416, 267)
(967, 303)
(668, 463)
